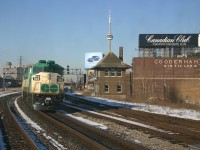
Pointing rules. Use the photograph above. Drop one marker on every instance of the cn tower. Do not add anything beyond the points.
(109, 36)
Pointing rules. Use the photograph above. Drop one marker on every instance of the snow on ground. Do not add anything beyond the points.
(39, 129)
(2, 94)
(115, 118)
(86, 121)
(180, 113)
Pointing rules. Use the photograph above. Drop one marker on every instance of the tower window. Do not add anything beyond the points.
(119, 72)
(106, 88)
(119, 88)
(106, 73)
(112, 72)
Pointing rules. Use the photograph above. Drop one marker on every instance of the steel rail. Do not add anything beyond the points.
(33, 145)
(184, 136)
(68, 129)
(100, 137)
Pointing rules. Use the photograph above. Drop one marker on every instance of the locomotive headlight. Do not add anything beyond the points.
(36, 78)
(60, 79)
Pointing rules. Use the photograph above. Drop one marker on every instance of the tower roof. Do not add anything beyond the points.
(111, 61)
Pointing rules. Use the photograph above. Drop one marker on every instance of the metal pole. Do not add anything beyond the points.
(3, 84)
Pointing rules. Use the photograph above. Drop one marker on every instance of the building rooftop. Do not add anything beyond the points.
(110, 60)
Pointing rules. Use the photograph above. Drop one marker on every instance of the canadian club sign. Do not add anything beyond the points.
(168, 40)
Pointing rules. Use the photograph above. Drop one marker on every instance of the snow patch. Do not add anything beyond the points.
(179, 113)
(39, 129)
(86, 121)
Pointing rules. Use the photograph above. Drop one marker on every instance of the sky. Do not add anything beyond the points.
(64, 30)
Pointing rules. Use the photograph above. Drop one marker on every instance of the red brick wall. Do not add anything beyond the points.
(113, 81)
(159, 77)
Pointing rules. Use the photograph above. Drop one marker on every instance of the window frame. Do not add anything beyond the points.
(106, 89)
(112, 72)
(119, 86)
(37, 69)
(119, 73)
(106, 72)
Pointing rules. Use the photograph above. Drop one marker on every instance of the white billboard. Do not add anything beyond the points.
(92, 58)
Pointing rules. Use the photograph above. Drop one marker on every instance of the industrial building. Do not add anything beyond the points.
(168, 67)
(12, 76)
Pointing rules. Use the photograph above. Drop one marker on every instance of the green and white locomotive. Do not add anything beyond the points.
(43, 85)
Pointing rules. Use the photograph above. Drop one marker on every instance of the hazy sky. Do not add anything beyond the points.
(64, 30)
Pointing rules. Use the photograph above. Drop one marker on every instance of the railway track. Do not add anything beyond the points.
(93, 136)
(82, 135)
(177, 131)
(11, 128)
(60, 131)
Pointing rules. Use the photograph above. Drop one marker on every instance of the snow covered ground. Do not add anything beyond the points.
(39, 129)
(54, 142)
(2, 94)
(180, 113)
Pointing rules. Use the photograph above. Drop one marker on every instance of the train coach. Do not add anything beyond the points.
(43, 85)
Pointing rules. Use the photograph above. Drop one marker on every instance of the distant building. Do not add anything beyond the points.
(168, 67)
(111, 78)
(10, 72)
(12, 76)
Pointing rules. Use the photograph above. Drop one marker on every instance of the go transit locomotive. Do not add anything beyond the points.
(43, 85)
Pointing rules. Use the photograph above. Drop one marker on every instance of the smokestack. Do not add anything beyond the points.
(121, 53)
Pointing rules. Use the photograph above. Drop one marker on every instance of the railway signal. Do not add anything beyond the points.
(68, 69)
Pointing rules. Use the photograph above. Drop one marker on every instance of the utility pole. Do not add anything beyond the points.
(20, 61)
(3, 82)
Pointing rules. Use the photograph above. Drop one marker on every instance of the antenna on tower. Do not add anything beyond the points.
(109, 36)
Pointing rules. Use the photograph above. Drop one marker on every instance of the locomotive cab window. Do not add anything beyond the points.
(46, 69)
(37, 69)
